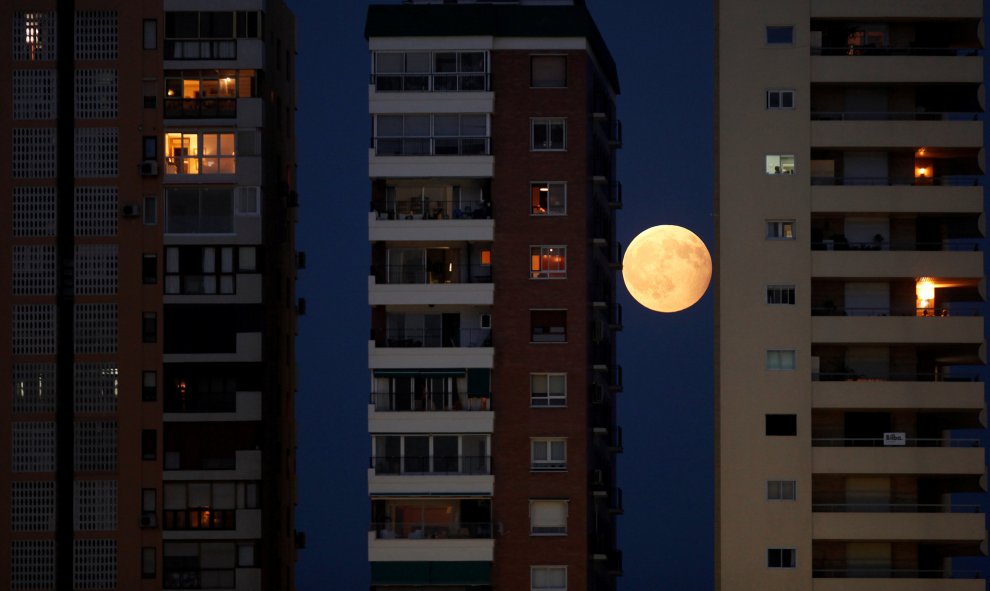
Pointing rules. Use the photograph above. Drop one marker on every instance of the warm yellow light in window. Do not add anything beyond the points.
(486, 257)
(535, 262)
(925, 289)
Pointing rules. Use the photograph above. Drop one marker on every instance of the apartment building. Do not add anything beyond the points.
(492, 292)
(148, 312)
(850, 294)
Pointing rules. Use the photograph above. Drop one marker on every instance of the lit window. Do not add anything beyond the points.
(547, 389)
(780, 35)
(781, 557)
(548, 455)
(780, 359)
(781, 490)
(548, 262)
(548, 71)
(780, 230)
(200, 153)
(780, 295)
(548, 134)
(486, 257)
(548, 578)
(780, 164)
(548, 517)
(780, 99)
(548, 198)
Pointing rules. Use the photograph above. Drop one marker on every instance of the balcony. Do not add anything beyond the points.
(201, 108)
(432, 82)
(834, 457)
(430, 402)
(404, 338)
(917, 65)
(894, 329)
(942, 196)
(891, 264)
(183, 577)
(888, 9)
(430, 284)
(431, 465)
(213, 406)
(889, 579)
(211, 524)
(243, 465)
(906, 526)
(853, 130)
(426, 529)
(872, 394)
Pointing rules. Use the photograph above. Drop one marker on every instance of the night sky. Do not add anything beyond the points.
(664, 55)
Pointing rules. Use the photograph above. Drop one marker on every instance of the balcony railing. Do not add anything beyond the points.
(174, 461)
(432, 465)
(465, 337)
(954, 245)
(187, 519)
(970, 309)
(207, 578)
(432, 146)
(955, 180)
(895, 376)
(892, 508)
(427, 208)
(870, 572)
(895, 116)
(201, 49)
(431, 530)
(204, 402)
(868, 50)
(432, 402)
(412, 274)
(419, 82)
(880, 442)
(208, 108)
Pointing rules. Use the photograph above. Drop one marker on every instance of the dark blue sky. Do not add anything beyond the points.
(664, 55)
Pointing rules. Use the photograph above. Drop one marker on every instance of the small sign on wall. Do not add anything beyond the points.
(894, 438)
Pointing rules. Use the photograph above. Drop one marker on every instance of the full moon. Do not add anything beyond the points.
(667, 268)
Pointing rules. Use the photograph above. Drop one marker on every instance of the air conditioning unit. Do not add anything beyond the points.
(149, 168)
(149, 519)
(131, 210)
(486, 321)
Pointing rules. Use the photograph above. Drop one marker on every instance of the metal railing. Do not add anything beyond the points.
(431, 465)
(465, 337)
(860, 50)
(201, 49)
(188, 519)
(216, 108)
(896, 116)
(955, 180)
(432, 146)
(207, 578)
(880, 442)
(202, 402)
(177, 462)
(432, 530)
(893, 508)
(436, 82)
(430, 402)
(894, 376)
(968, 309)
(431, 208)
(438, 273)
(949, 244)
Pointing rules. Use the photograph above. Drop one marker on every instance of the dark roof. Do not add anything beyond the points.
(439, 20)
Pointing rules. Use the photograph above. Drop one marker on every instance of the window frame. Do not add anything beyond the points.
(196, 163)
(549, 464)
(149, 33)
(780, 558)
(536, 56)
(779, 169)
(780, 93)
(772, 31)
(780, 229)
(549, 396)
(549, 336)
(537, 567)
(780, 417)
(780, 365)
(536, 188)
(551, 530)
(549, 123)
(538, 257)
(780, 293)
(780, 488)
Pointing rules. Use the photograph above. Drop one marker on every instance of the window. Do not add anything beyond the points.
(148, 560)
(780, 295)
(780, 99)
(200, 269)
(200, 153)
(780, 359)
(781, 425)
(196, 94)
(547, 389)
(149, 148)
(781, 557)
(780, 230)
(780, 35)
(548, 262)
(150, 211)
(548, 198)
(150, 37)
(548, 517)
(548, 71)
(548, 134)
(149, 269)
(149, 501)
(149, 327)
(444, 71)
(149, 444)
(780, 164)
(548, 578)
(548, 326)
(431, 454)
(191, 210)
(149, 386)
(548, 455)
(781, 490)
(438, 135)
(248, 200)
(149, 90)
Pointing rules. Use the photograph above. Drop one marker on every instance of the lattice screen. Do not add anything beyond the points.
(96, 269)
(32, 505)
(96, 94)
(34, 94)
(32, 564)
(34, 153)
(33, 270)
(95, 505)
(96, 446)
(96, 328)
(34, 211)
(33, 446)
(34, 387)
(96, 35)
(95, 564)
(96, 387)
(34, 329)
(96, 152)
(33, 36)
(96, 211)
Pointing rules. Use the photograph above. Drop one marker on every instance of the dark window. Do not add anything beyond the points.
(181, 25)
(149, 269)
(148, 562)
(216, 25)
(782, 425)
(548, 326)
(149, 444)
(780, 35)
(150, 211)
(149, 327)
(781, 557)
(149, 147)
(548, 71)
(151, 34)
(149, 386)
